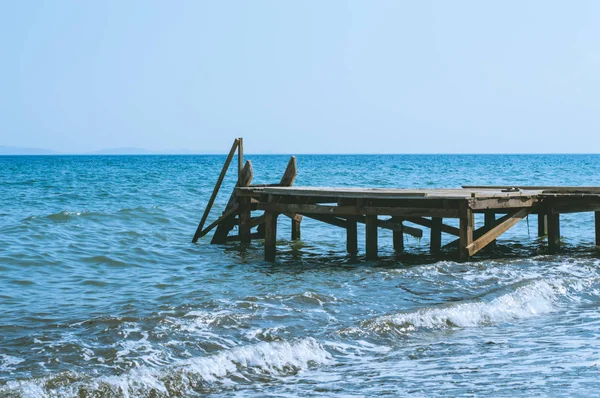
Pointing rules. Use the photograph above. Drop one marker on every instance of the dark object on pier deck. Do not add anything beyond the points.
(502, 206)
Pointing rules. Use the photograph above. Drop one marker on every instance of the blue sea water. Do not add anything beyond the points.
(102, 293)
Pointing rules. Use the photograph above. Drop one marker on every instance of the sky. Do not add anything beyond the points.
(301, 76)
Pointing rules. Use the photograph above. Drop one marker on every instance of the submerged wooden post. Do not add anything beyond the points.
(270, 235)
(295, 229)
(597, 224)
(371, 236)
(398, 236)
(542, 225)
(553, 233)
(436, 235)
(467, 224)
(489, 218)
(351, 236)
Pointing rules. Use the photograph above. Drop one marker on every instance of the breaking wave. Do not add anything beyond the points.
(244, 364)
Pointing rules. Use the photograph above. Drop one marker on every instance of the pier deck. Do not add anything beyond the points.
(502, 206)
(346, 207)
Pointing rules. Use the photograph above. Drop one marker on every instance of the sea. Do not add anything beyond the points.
(103, 294)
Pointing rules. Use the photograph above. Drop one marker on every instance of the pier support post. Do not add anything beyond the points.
(371, 236)
(553, 233)
(351, 236)
(436, 235)
(597, 224)
(489, 218)
(270, 235)
(467, 225)
(295, 229)
(398, 236)
(245, 218)
(542, 225)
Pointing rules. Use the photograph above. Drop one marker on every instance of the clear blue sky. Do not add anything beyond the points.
(301, 77)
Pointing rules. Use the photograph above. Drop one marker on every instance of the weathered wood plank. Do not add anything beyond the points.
(227, 215)
(245, 220)
(488, 237)
(354, 210)
(213, 196)
(448, 229)
(290, 173)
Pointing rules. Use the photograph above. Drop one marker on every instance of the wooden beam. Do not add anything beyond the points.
(436, 235)
(226, 215)
(488, 237)
(448, 229)
(355, 211)
(553, 233)
(371, 237)
(542, 224)
(211, 201)
(489, 219)
(467, 222)
(503, 203)
(270, 235)
(351, 236)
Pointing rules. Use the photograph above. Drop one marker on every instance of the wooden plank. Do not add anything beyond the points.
(546, 189)
(448, 229)
(502, 203)
(542, 224)
(467, 223)
(354, 210)
(398, 236)
(597, 227)
(229, 214)
(553, 233)
(436, 235)
(371, 237)
(489, 219)
(351, 236)
(213, 196)
(488, 237)
(270, 235)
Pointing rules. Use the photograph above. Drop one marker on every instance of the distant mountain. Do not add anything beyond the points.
(9, 150)
(122, 151)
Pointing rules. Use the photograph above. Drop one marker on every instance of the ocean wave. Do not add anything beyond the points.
(530, 299)
(262, 362)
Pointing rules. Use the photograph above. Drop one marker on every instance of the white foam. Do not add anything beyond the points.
(275, 359)
(532, 299)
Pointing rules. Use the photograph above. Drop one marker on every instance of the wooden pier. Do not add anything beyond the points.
(384, 208)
